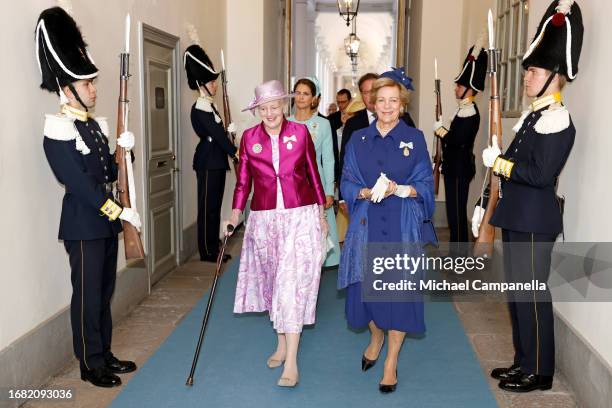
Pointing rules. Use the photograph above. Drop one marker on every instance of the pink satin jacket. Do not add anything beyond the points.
(298, 173)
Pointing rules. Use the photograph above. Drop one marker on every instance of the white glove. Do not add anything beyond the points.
(437, 125)
(403, 191)
(477, 219)
(126, 140)
(490, 153)
(380, 188)
(232, 128)
(130, 215)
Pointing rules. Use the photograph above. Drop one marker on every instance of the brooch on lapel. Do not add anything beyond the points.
(287, 141)
(313, 133)
(257, 148)
(406, 147)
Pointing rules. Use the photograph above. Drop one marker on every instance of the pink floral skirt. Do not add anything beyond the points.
(280, 266)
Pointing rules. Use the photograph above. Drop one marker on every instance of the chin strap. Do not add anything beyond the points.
(548, 81)
(205, 88)
(464, 93)
(76, 95)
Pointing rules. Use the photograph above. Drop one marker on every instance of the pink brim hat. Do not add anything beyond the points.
(268, 92)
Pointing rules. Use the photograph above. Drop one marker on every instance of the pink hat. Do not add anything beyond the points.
(267, 92)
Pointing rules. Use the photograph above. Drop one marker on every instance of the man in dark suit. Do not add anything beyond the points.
(343, 97)
(364, 117)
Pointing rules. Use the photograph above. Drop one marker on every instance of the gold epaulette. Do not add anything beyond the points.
(503, 167)
(441, 131)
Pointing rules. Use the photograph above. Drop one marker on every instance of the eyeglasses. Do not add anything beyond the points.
(264, 110)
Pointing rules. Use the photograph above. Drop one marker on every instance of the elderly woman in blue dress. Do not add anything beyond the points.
(388, 185)
(305, 103)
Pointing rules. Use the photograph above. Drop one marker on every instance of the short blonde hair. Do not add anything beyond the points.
(385, 82)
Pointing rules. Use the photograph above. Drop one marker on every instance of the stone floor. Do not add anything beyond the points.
(138, 335)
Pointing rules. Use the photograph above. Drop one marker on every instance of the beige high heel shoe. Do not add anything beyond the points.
(274, 363)
(288, 382)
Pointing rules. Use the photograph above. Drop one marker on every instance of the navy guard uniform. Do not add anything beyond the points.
(77, 150)
(529, 211)
(458, 164)
(210, 160)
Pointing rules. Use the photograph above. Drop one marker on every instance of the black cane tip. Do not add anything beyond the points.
(189, 382)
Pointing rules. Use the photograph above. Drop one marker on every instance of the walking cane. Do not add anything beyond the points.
(211, 297)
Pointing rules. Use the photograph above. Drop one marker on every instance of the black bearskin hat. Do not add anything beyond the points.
(198, 66)
(474, 71)
(61, 51)
(558, 40)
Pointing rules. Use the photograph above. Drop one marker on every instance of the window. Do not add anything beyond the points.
(512, 39)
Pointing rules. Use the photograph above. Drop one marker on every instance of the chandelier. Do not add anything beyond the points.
(348, 10)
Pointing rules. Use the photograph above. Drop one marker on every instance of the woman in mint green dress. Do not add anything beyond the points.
(305, 92)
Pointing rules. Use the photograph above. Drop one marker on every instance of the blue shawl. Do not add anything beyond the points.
(416, 212)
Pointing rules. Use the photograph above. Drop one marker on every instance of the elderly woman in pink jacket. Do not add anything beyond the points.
(281, 255)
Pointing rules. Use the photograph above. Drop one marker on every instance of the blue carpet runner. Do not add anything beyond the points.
(438, 370)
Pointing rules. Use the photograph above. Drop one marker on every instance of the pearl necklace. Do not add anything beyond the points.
(383, 131)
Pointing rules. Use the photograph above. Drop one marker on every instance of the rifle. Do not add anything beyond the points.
(125, 177)
(486, 235)
(227, 115)
(437, 158)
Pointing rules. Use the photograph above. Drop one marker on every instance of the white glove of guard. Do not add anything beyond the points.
(126, 140)
(380, 188)
(130, 215)
(232, 128)
(437, 125)
(490, 153)
(477, 219)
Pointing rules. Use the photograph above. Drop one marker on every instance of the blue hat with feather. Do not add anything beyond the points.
(399, 75)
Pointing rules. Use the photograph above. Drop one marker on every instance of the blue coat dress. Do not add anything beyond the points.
(393, 220)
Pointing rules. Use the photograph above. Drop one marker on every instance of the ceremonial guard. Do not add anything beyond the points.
(76, 147)
(529, 212)
(458, 165)
(210, 159)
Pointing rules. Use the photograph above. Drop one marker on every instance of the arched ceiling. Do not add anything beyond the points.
(375, 28)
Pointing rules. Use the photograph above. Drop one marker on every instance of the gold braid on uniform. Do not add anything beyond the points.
(503, 167)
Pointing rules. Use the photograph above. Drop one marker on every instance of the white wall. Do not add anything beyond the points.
(35, 282)
(445, 45)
